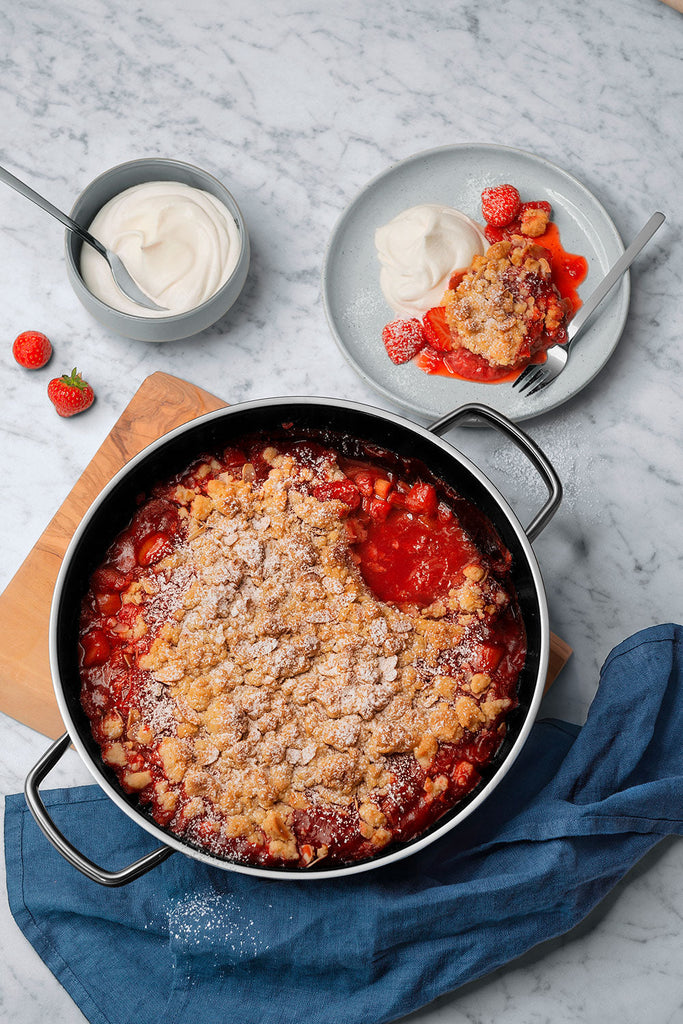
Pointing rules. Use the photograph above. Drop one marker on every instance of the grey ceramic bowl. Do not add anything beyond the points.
(141, 328)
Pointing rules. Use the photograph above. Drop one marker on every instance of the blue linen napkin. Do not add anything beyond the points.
(190, 943)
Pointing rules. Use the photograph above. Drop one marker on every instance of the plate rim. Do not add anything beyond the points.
(624, 288)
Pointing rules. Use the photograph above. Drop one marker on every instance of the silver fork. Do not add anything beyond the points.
(122, 278)
(539, 375)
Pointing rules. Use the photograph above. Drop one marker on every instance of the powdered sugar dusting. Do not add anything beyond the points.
(214, 921)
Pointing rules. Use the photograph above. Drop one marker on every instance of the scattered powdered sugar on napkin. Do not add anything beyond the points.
(200, 919)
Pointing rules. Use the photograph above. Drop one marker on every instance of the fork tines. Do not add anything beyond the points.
(530, 376)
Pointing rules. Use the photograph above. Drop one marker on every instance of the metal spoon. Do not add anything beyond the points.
(122, 278)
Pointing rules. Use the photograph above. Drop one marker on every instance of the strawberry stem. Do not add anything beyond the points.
(74, 380)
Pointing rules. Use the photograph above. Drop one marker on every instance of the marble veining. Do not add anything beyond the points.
(296, 109)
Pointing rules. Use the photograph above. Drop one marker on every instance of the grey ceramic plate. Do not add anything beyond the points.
(455, 176)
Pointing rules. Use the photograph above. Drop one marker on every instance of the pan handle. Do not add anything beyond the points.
(525, 444)
(62, 845)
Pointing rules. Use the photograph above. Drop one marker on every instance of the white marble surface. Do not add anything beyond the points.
(296, 108)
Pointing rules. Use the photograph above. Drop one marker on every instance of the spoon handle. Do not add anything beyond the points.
(44, 204)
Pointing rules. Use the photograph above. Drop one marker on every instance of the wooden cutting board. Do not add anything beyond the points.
(161, 403)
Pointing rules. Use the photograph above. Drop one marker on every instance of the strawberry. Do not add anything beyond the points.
(403, 339)
(494, 235)
(32, 350)
(376, 508)
(436, 329)
(70, 393)
(430, 360)
(365, 483)
(96, 648)
(499, 205)
(382, 487)
(421, 499)
(531, 219)
(338, 490)
(154, 547)
(539, 204)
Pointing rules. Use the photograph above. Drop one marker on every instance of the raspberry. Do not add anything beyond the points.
(403, 339)
(499, 205)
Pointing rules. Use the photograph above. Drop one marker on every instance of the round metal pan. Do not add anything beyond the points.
(114, 507)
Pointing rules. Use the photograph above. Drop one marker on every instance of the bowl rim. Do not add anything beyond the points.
(232, 207)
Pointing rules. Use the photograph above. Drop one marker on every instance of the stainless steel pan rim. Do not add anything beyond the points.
(171, 843)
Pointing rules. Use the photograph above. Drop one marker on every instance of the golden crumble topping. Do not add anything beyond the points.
(533, 222)
(506, 302)
(273, 684)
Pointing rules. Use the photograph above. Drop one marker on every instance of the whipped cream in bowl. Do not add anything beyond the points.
(180, 244)
(419, 250)
(180, 235)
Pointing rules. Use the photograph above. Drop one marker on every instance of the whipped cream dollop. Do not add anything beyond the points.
(419, 250)
(179, 243)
